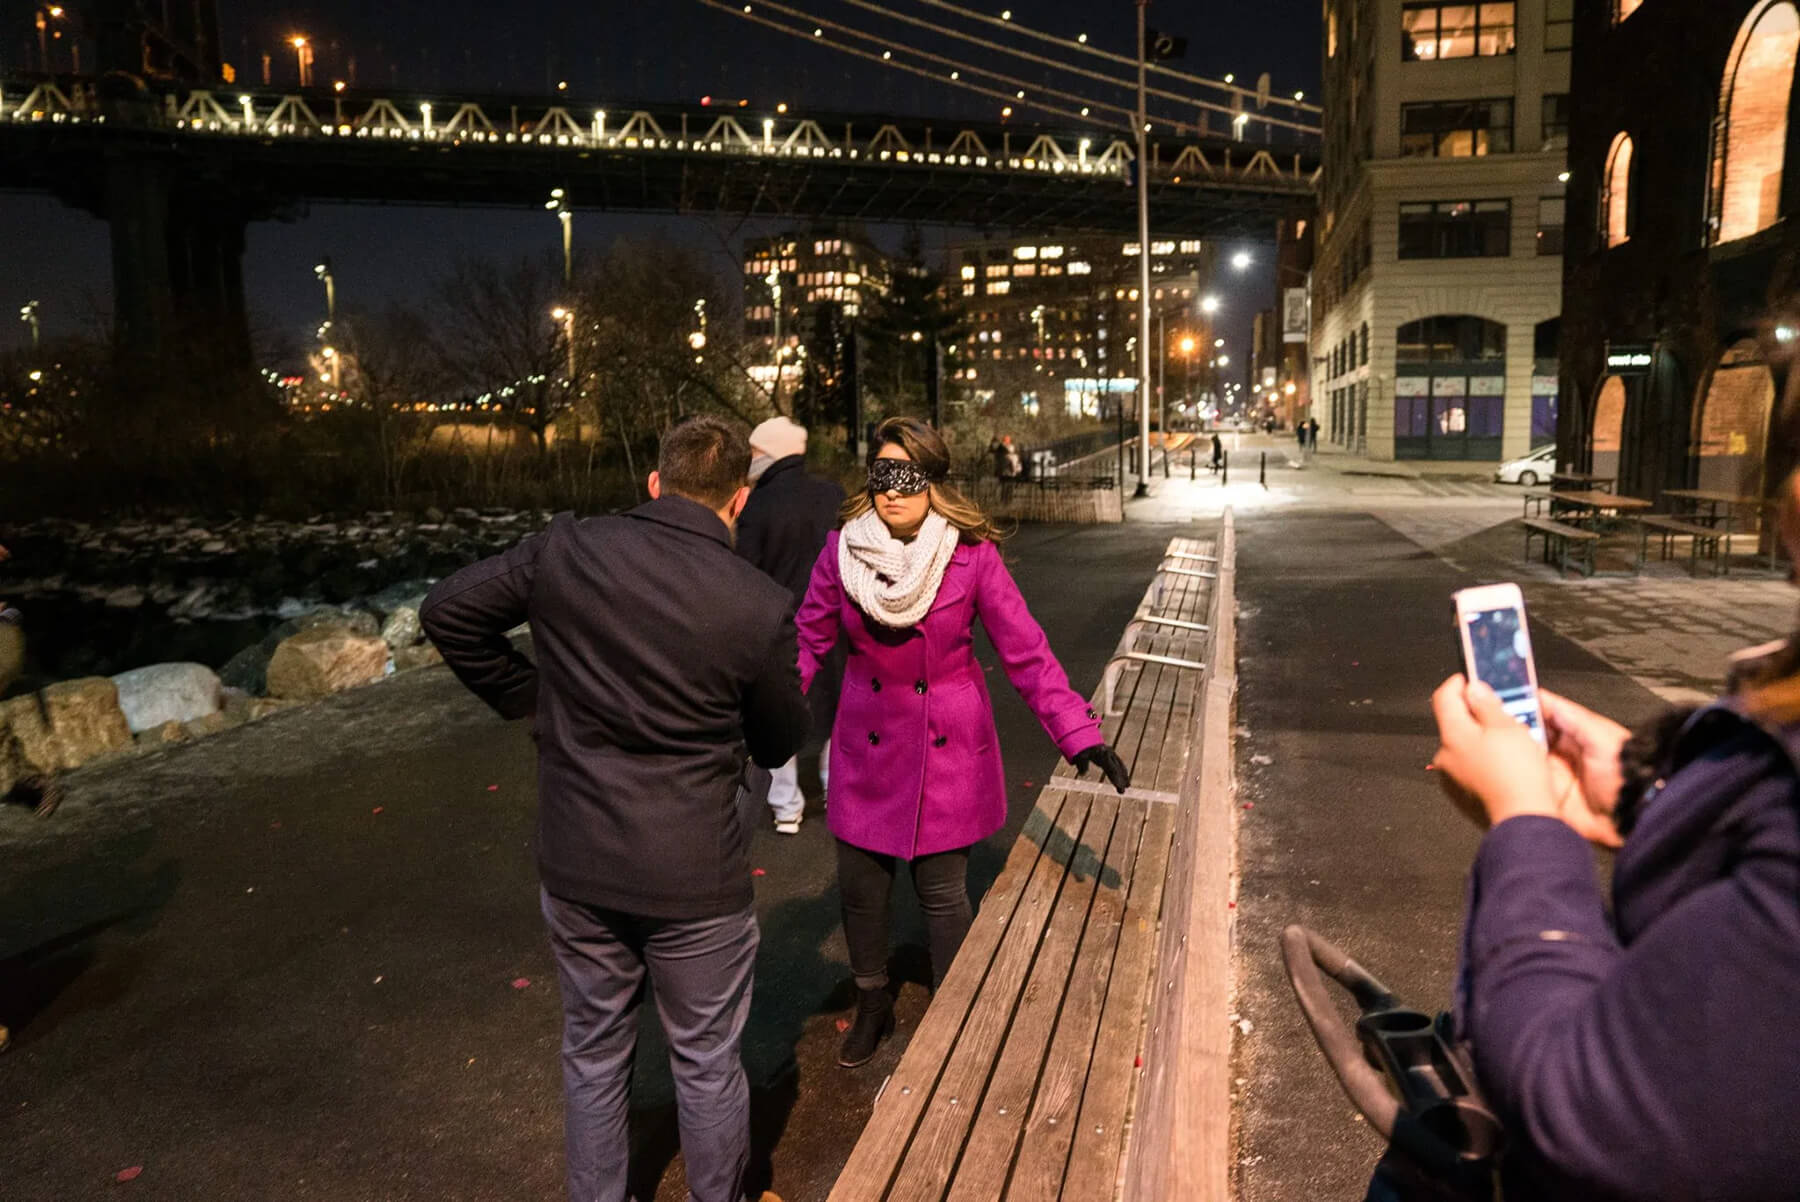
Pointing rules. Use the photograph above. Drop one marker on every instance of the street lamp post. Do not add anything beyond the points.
(323, 272)
(1143, 198)
(29, 315)
(1187, 357)
(303, 58)
(775, 292)
(559, 204)
(697, 339)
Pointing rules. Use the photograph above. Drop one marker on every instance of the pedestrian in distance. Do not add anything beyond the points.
(1218, 452)
(916, 774)
(664, 661)
(1647, 1049)
(1312, 434)
(782, 530)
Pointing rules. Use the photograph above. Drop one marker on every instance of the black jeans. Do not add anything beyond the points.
(866, 884)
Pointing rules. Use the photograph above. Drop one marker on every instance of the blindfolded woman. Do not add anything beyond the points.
(916, 777)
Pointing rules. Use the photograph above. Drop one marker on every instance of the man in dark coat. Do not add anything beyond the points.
(782, 530)
(663, 662)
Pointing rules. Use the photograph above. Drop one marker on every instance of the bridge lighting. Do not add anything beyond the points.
(337, 85)
(1007, 111)
(562, 85)
(1084, 111)
(1219, 343)
(1299, 95)
(782, 107)
(956, 75)
(1230, 78)
(817, 32)
(887, 54)
(1021, 94)
(1082, 39)
(1006, 14)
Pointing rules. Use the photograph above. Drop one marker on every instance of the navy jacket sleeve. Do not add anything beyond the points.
(1661, 1069)
(467, 615)
(777, 718)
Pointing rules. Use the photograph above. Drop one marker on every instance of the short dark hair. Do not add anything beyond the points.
(705, 459)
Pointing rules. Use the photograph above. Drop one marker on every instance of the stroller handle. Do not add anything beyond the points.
(1306, 954)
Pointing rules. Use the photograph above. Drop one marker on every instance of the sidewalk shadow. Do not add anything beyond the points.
(42, 955)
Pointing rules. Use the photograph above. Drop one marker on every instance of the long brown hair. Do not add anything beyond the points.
(926, 447)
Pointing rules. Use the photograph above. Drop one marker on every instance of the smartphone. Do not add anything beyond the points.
(1496, 650)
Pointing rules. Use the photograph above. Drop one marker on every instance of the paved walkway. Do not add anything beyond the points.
(303, 960)
(1668, 631)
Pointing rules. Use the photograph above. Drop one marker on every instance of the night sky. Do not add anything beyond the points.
(610, 52)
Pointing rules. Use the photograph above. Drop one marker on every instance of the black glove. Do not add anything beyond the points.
(1107, 760)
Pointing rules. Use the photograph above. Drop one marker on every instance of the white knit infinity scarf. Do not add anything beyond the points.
(895, 582)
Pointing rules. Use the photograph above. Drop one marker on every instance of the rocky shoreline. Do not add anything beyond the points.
(329, 605)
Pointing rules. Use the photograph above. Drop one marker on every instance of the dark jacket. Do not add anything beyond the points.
(660, 655)
(1656, 1056)
(784, 524)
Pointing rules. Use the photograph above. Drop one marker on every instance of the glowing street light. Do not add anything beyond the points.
(566, 317)
(1209, 305)
(1242, 260)
(1187, 345)
(28, 314)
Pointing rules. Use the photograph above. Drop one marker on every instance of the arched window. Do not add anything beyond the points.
(1732, 425)
(1609, 427)
(1624, 8)
(1615, 200)
(1750, 132)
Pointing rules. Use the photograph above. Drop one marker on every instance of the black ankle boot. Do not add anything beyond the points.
(874, 1023)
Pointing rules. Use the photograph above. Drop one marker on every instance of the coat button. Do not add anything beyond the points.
(919, 687)
(939, 741)
(874, 685)
(874, 738)
(1091, 713)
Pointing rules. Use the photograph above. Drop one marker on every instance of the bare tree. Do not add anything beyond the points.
(496, 338)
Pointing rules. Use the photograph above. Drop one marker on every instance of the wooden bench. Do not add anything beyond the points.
(1535, 502)
(1562, 536)
(1712, 542)
(1019, 1080)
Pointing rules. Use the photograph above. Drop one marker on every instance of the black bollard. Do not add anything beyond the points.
(1263, 478)
(1193, 471)
(1224, 468)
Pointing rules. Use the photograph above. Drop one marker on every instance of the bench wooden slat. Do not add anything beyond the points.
(1093, 1163)
(890, 1127)
(988, 1154)
(1677, 526)
(1560, 529)
(1049, 1130)
(937, 1140)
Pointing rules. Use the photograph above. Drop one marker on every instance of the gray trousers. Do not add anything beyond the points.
(700, 970)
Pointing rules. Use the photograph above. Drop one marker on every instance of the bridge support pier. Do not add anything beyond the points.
(177, 257)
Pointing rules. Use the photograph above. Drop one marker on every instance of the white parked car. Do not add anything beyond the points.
(1534, 469)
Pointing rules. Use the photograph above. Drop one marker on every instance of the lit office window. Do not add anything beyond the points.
(1433, 30)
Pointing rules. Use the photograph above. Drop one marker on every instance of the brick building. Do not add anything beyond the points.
(1680, 309)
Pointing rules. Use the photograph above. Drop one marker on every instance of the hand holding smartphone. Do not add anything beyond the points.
(1495, 640)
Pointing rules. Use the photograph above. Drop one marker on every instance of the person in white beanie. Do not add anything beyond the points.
(782, 530)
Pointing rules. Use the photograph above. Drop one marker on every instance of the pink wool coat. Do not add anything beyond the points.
(915, 760)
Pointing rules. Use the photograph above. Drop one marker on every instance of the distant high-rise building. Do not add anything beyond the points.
(1053, 321)
(1438, 282)
(826, 268)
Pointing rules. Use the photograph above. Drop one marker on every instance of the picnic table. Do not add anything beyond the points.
(1584, 480)
(1721, 510)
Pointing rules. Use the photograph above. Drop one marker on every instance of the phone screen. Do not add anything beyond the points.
(1499, 647)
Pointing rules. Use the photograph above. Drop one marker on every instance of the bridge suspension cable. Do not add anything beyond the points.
(1126, 60)
(936, 76)
(1113, 81)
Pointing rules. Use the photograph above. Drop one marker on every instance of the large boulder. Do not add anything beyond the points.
(248, 670)
(64, 727)
(420, 655)
(402, 628)
(325, 660)
(162, 693)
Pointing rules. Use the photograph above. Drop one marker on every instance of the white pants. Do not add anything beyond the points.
(784, 787)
